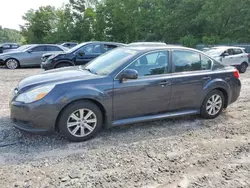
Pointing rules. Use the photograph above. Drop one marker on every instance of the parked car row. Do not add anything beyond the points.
(126, 85)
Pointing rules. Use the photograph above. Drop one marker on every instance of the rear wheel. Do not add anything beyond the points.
(12, 64)
(61, 65)
(212, 105)
(243, 67)
(80, 121)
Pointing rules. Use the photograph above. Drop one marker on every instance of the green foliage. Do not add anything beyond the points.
(171, 21)
(189, 41)
(9, 35)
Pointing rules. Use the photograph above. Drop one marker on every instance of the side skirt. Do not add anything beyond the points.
(154, 117)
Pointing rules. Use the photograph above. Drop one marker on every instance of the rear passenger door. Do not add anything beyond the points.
(190, 72)
(88, 53)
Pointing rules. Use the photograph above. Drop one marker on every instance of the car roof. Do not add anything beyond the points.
(104, 42)
(226, 47)
(152, 48)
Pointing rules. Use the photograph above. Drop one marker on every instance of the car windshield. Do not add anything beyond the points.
(24, 47)
(108, 62)
(75, 48)
(215, 51)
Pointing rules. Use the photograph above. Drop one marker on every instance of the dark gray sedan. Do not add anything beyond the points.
(28, 55)
(126, 85)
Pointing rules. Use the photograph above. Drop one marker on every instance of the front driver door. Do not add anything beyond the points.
(147, 95)
(33, 55)
(88, 53)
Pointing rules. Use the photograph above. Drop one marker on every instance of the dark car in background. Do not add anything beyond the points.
(69, 44)
(78, 55)
(123, 86)
(5, 47)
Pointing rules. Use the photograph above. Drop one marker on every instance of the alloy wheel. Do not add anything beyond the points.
(81, 122)
(12, 64)
(214, 105)
(243, 68)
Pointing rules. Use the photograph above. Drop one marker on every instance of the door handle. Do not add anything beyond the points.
(231, 58)
(165, 83)
(206, 78)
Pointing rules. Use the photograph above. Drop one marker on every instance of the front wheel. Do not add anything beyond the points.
(12, 64)
(80, 121)
(243, 68)
(212, 105)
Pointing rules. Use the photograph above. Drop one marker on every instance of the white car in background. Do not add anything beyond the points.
(230, 55)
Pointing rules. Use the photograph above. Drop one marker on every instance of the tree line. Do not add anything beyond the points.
(9, 35)
(172, 21)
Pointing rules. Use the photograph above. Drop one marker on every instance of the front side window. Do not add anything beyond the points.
(185, 61)
(91, 49)
(151, 64)
(108, 47)
(39, 49)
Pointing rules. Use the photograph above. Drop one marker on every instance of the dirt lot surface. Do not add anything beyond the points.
(182, 152)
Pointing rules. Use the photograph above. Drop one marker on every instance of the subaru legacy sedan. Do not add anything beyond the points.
(126, 85)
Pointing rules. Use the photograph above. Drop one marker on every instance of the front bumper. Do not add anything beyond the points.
(46, 66)
(34, 118)
(2, 62)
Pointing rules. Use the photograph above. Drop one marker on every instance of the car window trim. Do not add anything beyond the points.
(199, 53)
(165, 50)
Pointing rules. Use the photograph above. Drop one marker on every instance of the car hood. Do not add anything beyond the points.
(53, 53)
(57, 76)
(10, 53)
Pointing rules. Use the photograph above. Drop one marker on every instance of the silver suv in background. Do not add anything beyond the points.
(230, 55)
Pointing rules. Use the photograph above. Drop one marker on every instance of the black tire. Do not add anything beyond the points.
(243, 67)
(12, 63)
(204, 112)
(69, 110)
(61, 65)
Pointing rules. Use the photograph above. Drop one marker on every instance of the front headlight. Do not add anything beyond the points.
(35, 94)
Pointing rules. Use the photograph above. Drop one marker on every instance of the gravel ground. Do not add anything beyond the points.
(182, 152)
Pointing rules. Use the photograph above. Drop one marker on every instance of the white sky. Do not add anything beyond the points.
(11, 11)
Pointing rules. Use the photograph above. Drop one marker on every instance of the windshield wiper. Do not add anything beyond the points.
(90, 71)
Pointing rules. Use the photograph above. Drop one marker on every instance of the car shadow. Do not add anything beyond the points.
(17, 146)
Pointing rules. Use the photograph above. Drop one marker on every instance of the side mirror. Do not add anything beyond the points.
(30, 51)
(225, 54)
(81, 53)
(128, 74)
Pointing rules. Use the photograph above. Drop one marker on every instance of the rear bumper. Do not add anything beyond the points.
(235, 91)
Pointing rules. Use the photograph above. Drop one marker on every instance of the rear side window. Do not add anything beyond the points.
(185, 61)
(237, 51)
(53, 48)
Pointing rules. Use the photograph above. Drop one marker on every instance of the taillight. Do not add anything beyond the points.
(236, 74)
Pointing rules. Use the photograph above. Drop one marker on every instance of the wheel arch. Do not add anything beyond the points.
(7, 59)
(102, 108)
(64, 61)
(222, 86)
